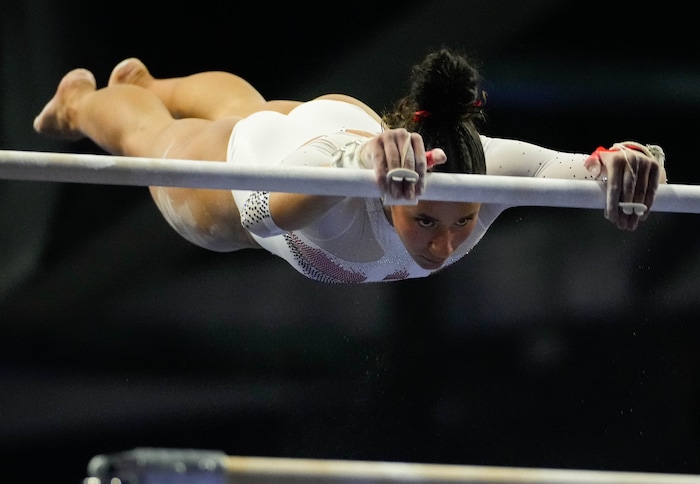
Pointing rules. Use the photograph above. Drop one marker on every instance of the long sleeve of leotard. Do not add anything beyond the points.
(335, 150)
(507, 157)
(518, 158)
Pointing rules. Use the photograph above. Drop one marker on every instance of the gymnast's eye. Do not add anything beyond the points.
(464, 221)
(425, 222)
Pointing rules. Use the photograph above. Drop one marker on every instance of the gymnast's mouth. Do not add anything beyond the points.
(429, 263)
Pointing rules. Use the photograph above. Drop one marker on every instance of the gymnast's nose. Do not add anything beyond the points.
(442, 245)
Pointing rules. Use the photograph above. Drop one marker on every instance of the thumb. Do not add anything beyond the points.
(593, 163)
(435, 156)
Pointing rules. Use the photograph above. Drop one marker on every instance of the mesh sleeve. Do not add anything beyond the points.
(255, 215)
(338, 150)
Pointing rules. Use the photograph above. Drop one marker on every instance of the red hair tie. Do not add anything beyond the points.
(420, 115)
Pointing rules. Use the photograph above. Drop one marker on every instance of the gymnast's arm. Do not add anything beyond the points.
(294, 211)
(631, 171)
(267, 214)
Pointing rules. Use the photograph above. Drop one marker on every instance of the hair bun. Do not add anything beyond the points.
(446, 85)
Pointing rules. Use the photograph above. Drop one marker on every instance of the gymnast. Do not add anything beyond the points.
(220, 117)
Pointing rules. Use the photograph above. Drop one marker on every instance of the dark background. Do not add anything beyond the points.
(559, 342)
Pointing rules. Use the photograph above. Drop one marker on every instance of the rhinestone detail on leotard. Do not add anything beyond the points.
(319, 265)
(255, 215)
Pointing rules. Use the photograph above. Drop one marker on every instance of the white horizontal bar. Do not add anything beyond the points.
(139, 171)
(264, 470)
(216, 466)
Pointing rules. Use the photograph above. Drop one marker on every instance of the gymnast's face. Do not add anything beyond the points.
(431, 231)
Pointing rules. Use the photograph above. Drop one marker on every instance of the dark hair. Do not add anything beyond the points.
(443, 105)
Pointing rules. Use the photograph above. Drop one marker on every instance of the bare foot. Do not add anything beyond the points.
(55, 119)
(130, 71)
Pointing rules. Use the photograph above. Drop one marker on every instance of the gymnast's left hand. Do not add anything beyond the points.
(632, 173)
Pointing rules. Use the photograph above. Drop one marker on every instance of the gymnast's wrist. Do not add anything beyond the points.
(655, 152)
(351, 155)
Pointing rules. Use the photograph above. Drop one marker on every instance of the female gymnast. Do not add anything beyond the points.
(217, 116)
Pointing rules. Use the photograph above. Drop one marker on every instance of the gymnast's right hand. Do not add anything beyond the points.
(399, 162)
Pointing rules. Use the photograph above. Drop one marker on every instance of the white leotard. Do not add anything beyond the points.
(354, 242)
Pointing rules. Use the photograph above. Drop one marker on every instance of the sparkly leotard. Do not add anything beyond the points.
(354, 242)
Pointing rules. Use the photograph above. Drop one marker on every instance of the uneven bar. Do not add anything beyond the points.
(194, 466)
(264, 470)
(139, 171)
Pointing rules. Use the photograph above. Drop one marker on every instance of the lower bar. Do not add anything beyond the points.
(191, 466)
(245, 470)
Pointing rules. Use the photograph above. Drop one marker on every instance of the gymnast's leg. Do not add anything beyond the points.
(210, 95)
(207, 95)
(128, 120)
